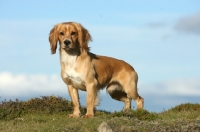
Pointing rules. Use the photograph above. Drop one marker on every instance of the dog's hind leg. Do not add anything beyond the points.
(131, 91)
(116, 92)
(128, 81)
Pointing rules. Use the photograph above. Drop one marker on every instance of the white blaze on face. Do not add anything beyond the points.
(67, 26)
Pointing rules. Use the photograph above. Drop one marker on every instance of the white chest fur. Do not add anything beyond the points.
(69, 68)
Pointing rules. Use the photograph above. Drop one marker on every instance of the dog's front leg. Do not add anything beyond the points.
(73, 92)
(90, 101)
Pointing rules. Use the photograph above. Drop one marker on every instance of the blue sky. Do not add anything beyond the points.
(160, 39)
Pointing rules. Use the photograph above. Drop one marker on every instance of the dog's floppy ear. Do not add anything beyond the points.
(83, 37)
(53, 39)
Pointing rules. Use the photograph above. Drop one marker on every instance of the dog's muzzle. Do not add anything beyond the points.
(67, 42)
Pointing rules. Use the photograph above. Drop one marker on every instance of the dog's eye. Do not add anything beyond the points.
(61, 33)
(73, 33)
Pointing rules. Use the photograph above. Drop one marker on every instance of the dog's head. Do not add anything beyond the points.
(71, 36)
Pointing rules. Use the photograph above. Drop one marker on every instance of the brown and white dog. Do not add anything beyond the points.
(83, 70)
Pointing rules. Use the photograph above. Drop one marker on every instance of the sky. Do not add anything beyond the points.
(160, 39)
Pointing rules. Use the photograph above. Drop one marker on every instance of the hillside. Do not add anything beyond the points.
(49, 113)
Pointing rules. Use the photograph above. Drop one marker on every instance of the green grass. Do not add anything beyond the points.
(49, 114)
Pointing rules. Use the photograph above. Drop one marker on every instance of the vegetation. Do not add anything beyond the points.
(49, 113)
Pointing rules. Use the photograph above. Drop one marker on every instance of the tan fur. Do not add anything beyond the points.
(83, 70)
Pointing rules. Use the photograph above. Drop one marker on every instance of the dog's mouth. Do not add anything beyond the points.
(68, 47)
(71, 50)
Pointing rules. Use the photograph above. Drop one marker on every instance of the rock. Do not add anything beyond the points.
(104, 127)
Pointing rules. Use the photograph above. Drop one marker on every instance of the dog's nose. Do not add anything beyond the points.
(67, 42)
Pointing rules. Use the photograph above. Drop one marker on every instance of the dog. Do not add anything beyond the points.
(83, 70)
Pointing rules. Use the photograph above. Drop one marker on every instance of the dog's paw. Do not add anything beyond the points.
(73, 116)
(88, 116)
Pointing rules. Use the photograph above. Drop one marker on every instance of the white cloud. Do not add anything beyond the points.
(177, 87)
(16, 85)
(24, 85)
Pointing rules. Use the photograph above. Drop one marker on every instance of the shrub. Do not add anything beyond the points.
(46, 104)
(186, 107)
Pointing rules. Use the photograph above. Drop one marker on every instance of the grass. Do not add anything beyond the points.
(49, 114)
